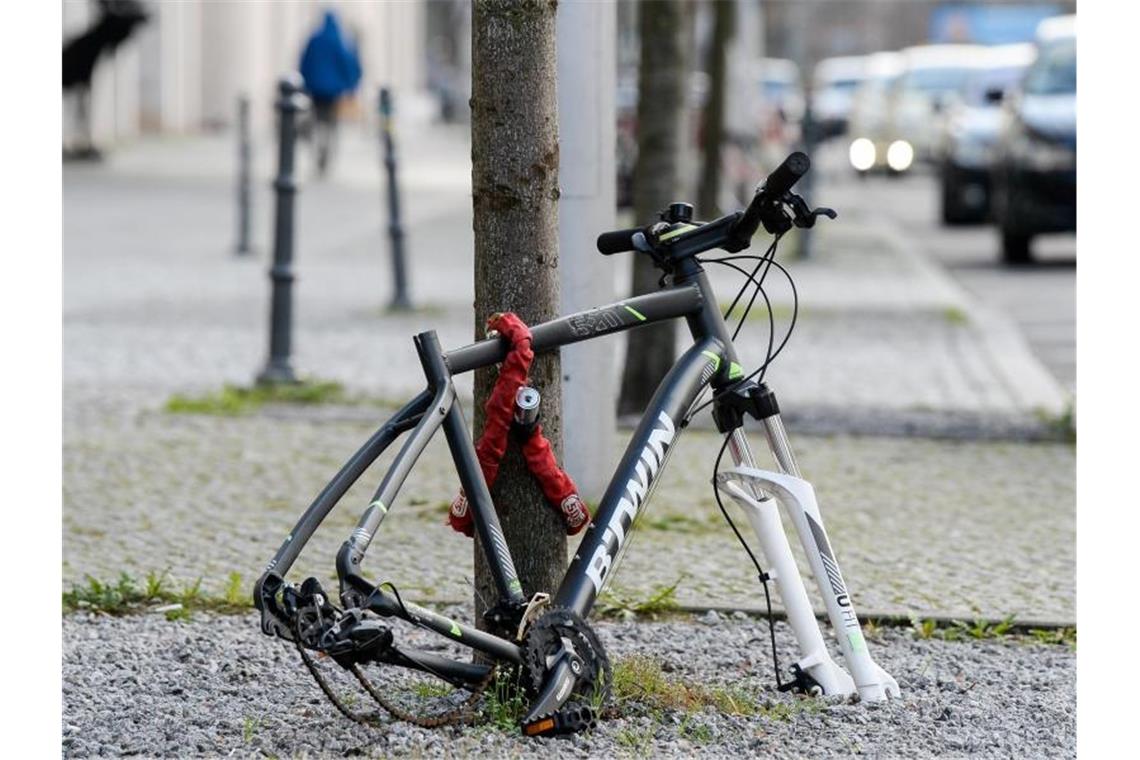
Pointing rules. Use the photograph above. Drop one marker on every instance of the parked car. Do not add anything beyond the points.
(932, 74)
(868, 124)
(969, 131)
(1035, 169)
(834, 82)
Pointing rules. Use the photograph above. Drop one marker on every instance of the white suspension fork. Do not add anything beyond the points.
(757, 492)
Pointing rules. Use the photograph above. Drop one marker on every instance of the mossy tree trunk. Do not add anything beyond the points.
(660, 139)
(514, 151)
(712, 125)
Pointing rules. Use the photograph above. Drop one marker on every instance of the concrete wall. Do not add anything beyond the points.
(183, 71)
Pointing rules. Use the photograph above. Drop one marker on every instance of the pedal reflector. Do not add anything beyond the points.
(539, 727)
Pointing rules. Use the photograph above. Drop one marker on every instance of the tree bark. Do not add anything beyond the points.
(712, 129)
(514, 152)
(660, 139)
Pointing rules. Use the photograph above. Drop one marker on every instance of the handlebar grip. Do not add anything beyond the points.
(617, 241)
(786, 174)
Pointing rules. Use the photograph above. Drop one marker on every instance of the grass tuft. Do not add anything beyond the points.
(1007, 628)
(640, 682)
(233, 400)
(504, 704)
(662, 601)
(127, 596)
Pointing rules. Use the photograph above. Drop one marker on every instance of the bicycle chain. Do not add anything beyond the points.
(449, 717)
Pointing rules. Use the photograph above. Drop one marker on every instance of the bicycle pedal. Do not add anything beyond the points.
(573, 718)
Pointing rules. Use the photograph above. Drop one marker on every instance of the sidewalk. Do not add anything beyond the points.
(156, 304)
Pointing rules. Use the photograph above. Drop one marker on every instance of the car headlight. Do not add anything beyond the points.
(862, 154)
(900, 155)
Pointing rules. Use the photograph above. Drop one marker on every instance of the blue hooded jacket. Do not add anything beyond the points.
(330, 65)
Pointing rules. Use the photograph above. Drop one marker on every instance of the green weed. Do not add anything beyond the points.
(636, 740)
(431, 689)
(785, 711)
(505, 704)
(980, 630)
(955, 316)
(1064, 425)
(639, 682)
(249, 728)
(234, 400)
(1055, 636)
(662, 601)
(127, 596)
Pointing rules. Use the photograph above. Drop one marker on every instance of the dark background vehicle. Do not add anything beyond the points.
(834, 83)
(965, 150)
(1035, 171)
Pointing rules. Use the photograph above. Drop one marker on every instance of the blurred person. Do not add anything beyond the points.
(330, 67)
(115, 23)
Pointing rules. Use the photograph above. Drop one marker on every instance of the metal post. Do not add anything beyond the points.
(290, 101)
(400, 298)
(587, 72)
(245, 152)
(808, 134)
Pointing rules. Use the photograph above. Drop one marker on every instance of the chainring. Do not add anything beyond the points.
(547, 637)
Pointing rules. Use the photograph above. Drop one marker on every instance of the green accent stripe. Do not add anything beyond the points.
(735, 371)
(714, 357)
(634, 312)
(379, 505)
(674, 233)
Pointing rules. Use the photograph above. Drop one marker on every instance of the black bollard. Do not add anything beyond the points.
(400, 298)
(245, 152)
(809, 138)
(290, 101)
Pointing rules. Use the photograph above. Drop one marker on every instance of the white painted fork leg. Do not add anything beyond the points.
(814, 658)
(798, 497)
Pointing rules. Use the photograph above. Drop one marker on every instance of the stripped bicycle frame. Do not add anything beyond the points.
(711, 360)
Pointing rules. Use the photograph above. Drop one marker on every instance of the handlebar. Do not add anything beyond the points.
(617, 241)
(740, 227)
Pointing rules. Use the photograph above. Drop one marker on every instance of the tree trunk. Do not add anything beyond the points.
(660, 139)
(514, 152)
(712, 130)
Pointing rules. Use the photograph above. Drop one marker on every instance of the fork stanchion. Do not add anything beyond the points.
(400, 298)
(245, 154)
(290, 102)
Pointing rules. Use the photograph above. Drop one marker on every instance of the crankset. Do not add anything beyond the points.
(568, 674)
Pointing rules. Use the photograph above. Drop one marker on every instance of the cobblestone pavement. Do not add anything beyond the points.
(156, 304)
(920, 526)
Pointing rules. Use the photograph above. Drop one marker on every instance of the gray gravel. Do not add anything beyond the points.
(214, 686)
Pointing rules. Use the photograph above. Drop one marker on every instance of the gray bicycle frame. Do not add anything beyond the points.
(709, 360)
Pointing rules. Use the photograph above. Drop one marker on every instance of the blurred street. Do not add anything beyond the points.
(1040, 299)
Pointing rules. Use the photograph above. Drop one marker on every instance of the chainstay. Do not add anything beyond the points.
(454, 716)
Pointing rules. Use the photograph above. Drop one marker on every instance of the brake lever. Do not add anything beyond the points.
(803, 216)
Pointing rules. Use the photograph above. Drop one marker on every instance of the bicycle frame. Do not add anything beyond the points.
(710, 360)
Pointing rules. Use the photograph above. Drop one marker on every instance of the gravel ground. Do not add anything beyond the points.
(214, 686)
